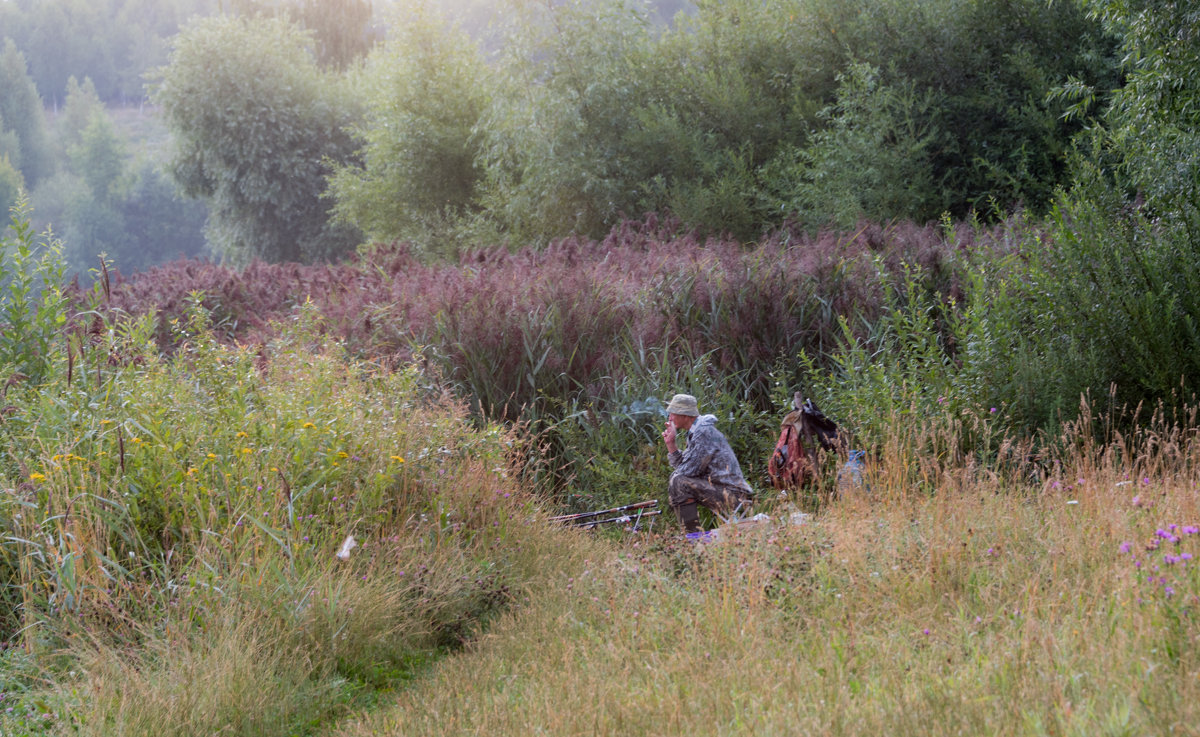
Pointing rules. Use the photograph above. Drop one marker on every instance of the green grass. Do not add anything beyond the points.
(950, 599)
(171, 524)
(170, 527)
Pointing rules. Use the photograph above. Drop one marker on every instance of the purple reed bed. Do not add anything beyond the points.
(568, 313)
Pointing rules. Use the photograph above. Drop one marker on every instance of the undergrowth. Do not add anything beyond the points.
(173, 521)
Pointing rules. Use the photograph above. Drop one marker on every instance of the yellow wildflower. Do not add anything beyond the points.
(242, 434)
(398, 459)
(247, 450)
(307, 425)
(37, 477)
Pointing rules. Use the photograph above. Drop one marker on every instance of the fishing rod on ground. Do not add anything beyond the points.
(588, 520)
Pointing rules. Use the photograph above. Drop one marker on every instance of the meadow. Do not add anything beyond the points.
(181, 485)
(308, 491)
(985, 607)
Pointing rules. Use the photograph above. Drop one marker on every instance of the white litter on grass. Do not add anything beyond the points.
(1073, 501)
(347, 545)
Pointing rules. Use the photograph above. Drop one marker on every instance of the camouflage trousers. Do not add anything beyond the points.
(683, 490)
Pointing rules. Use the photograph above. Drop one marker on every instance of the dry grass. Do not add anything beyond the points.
(979, 609)
(276, 654)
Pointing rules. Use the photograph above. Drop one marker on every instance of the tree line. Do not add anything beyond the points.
(735, 118)
(305, 129)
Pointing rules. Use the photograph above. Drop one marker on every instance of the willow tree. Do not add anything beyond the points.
(258, 126)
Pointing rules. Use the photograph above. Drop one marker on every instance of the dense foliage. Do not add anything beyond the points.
(584, 338)
(108, 195)
(185, 448)
(568, 118)
(343, 30)
(149, 502)
(739, 117)
(257, 125)
(22, 126)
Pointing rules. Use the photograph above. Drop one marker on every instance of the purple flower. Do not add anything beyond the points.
(1185, 557)
(1160, 532)
(1137, 501)
(1169, 592)
(926, 630)
(1126, 547)
(1190, 529)
(992, 410)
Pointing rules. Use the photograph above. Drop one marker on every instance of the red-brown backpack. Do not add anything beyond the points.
(789, 466)
(793, 463)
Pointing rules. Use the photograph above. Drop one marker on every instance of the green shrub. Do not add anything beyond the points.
(11, 182)
(32, 305)
(873, 158)
(171, 521)
(417, 178)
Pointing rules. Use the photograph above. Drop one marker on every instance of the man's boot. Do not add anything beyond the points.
(689, 517)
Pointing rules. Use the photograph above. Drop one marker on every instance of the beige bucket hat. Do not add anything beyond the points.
(683, 404)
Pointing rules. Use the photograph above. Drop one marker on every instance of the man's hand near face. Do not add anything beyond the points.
(668, 436)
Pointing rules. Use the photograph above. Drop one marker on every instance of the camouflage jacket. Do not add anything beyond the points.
(708, 456)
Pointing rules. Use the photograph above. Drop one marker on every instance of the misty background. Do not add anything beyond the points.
(296, 130)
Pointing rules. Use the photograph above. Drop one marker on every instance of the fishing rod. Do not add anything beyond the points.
(576, 518)
(589, 524)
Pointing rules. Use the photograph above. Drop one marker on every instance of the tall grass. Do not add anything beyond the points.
(170, 527)
(170, 520)
(559, 317)
(982, 605)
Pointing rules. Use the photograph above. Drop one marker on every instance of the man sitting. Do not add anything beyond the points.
(707, 472)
